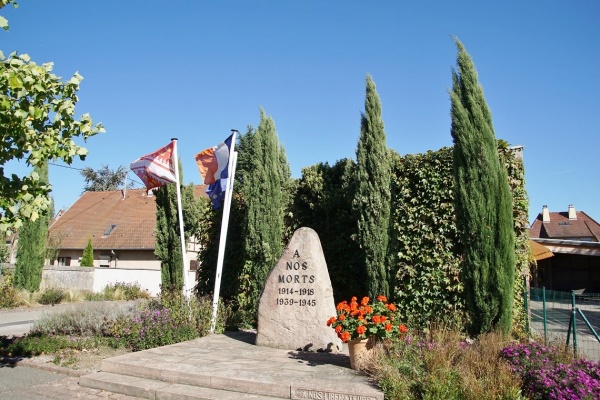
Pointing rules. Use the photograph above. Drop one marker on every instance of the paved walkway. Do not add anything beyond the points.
(34, 381)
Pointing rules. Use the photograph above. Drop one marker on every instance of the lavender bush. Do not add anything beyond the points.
(547, 375)
(151, 328)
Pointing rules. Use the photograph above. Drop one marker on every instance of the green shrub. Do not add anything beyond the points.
(91, 296)
(8, 294)
(33, 345)
(124, 291)
(51, 296)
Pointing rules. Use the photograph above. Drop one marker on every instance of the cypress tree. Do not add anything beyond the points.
(483, 204)
(87, 260)
(372, 199)
(263, 188)
(168, 243)
(31, 247)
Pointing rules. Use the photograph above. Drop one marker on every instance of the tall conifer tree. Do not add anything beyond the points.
(31, 247)
(168, 242)
(372, 200)
(483, 204)
(263, 189)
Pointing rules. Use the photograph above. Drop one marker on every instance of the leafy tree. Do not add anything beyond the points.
(31, 245)
(264, 188)
(37, 115)
(168, 242)
(104, 178)
(372, 199)
(88, 255)
(3, 21)
(323, 202)
(483, 204)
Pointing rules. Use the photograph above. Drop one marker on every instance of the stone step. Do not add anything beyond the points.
(237, 382)
(158, 390)
(232, 363)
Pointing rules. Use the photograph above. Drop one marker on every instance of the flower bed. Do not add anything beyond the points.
(546, 376)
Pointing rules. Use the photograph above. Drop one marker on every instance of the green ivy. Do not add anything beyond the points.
(423, 256)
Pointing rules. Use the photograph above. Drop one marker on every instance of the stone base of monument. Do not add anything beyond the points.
(297, 299)
(231, 367)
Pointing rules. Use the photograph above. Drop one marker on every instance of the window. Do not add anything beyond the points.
(109, 230)
(64, 261)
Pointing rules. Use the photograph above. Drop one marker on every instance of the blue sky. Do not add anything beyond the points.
(196, 69)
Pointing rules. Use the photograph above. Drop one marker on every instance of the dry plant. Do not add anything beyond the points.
(24, 298)
(484, 374)
(74, 296)
(442, 364)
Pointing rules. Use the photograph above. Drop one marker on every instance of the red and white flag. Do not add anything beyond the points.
(156, 169)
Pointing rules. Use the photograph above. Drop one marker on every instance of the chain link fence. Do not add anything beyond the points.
(572, 318)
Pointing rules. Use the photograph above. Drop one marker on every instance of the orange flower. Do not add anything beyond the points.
(364, 301)
(342, 305)
(388, 327)
(360, 317)
(361, 329)
(331, 321)
(383, 318)
(368, 309)
(338, 329)
(403, 328)
(341, 317)
(345, 336)
(376, 319)
(382, 298)
(391, 307)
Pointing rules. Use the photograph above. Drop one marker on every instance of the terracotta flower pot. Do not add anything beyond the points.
(360, 352)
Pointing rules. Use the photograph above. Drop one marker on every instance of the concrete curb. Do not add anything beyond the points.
(26, 362)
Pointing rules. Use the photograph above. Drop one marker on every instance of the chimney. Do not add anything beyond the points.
(545, 214)
(572, 213)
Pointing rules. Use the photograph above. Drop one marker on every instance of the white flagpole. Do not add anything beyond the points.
(224, 225)
(186, 286)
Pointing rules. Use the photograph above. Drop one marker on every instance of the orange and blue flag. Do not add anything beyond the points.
(213, 164)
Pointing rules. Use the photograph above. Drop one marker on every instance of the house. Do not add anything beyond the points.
(574, 239)
(121, 226)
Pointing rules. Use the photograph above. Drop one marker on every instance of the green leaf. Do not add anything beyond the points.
(15, 82)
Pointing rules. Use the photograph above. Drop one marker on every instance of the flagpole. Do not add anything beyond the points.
(224, 224)
(186, 286)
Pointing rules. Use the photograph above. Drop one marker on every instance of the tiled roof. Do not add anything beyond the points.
(134, 217)
(561, 227)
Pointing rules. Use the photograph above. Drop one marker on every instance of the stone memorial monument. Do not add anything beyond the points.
(297, 299)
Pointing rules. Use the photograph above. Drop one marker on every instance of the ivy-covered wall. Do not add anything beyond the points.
(423, 237)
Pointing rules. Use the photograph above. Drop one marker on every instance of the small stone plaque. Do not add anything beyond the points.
(310, 394)
(297, 299)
